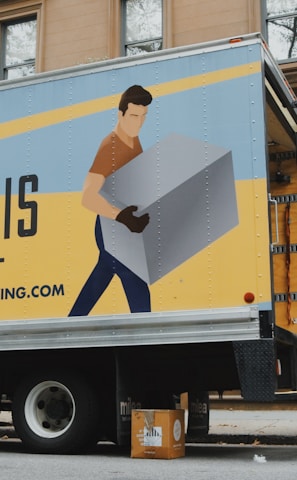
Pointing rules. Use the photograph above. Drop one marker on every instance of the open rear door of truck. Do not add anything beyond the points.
(281, 130)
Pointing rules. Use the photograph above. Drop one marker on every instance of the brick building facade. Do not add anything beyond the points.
(72, 32)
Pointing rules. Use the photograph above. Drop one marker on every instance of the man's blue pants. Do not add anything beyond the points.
(136, 290)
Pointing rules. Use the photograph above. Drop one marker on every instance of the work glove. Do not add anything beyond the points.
(135, 224)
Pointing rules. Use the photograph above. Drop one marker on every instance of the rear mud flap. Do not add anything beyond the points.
(255, 361)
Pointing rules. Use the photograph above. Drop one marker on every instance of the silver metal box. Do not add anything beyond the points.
(187, 187)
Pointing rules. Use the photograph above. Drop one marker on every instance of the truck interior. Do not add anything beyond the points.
(281, 122)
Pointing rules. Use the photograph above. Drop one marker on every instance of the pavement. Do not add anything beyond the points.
(252, 426)
(232, 421)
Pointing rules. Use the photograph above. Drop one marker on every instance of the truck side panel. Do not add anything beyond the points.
(201, 178)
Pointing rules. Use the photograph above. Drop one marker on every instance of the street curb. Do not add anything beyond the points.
(242, 405)
(248, 439)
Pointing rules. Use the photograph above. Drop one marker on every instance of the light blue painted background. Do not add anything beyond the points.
(228, 114)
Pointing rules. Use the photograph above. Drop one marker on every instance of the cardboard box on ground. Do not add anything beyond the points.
(157, 434)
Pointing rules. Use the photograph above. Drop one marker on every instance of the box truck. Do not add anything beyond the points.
(148, 240)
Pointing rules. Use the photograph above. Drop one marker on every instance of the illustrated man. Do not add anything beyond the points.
(115, 151)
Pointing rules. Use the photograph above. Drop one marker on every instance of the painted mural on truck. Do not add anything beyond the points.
(133, 189)
(118, 149)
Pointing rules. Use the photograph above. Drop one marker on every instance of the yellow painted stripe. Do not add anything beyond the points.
(201, 80)
(71, 112)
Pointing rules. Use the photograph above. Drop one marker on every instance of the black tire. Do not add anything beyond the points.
(55, 413)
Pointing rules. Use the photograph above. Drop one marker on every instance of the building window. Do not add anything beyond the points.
(142, 26)
(281, 28)
(18, 47)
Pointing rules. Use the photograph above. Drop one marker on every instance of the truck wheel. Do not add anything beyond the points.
(55, 413)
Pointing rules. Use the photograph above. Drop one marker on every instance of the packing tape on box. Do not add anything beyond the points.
(149, 419)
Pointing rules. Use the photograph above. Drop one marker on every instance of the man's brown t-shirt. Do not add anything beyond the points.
(113, 154)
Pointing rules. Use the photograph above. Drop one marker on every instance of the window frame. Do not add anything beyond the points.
(15, 12)
(4, 25)
(124, 44)
(265, 21)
